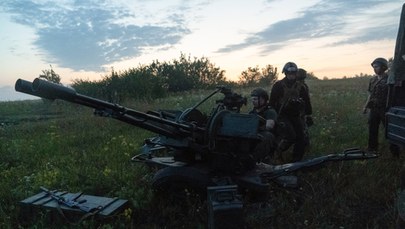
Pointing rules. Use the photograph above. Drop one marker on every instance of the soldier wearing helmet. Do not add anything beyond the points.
(260, 101)
(307, 119)
(289, 88)
(376, 103)
(291, 100)
(301, 76)
(381, 62)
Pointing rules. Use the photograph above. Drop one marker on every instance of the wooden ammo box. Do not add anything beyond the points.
(225, 207)
(94, 205)
(395, 129)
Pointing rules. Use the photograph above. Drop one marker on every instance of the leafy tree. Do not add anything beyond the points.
(111, 85)
(208, 74)
(311, 76)
(90, 88)
(250, 77)
(258, 77)
(50, 75)
(187, 73)
(362, 75)
(269, 75)
(142, 82)
(178, 75)
(156, 80)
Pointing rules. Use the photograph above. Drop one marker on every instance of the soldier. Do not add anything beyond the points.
(291, 101)
(376, 104)
(260, 101)
(307, 119)
(301, 76)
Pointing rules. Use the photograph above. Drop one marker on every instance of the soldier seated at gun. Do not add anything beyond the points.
(260, 101)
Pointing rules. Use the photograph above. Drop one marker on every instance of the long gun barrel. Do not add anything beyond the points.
(26, 87)
(156, 124)
(285, 169)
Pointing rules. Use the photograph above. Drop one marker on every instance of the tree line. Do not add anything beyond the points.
(158, 79)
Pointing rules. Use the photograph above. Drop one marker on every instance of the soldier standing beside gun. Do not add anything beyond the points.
(291, 101)
(307, 119)
(376, 104)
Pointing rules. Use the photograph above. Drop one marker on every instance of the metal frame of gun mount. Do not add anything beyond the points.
(199, 150)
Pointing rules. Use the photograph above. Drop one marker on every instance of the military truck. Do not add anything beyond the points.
(395, 116)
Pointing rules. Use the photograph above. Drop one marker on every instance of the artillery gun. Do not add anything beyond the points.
(215, 152)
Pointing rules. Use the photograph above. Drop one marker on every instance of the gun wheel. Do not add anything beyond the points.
(180, 183)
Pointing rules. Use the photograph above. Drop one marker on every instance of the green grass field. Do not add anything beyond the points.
(63, 146)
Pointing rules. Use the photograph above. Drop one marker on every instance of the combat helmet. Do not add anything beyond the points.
(290, 67)
(302, 74)
(381, 61)
(260, 92)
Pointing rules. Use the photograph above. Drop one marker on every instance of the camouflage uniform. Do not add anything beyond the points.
(307, 119)
(291, 101)
(378, 90)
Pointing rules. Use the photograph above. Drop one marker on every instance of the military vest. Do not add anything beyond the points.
(291, 101)
(378, 89)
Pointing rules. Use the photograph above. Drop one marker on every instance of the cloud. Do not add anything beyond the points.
(357, 21)
(86, 35)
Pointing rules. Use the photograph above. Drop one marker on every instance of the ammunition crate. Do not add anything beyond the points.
(239, 125)
(225, 208)
(100, 207)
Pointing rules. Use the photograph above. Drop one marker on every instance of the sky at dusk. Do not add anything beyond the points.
(85, 39)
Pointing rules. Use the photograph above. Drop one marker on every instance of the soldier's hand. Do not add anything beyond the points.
(270, 124)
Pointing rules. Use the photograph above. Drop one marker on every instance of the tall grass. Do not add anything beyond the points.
(62, 146)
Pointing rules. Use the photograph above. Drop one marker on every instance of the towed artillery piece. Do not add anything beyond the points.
(215, 152)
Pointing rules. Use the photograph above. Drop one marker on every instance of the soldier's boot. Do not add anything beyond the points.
(282, 146)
